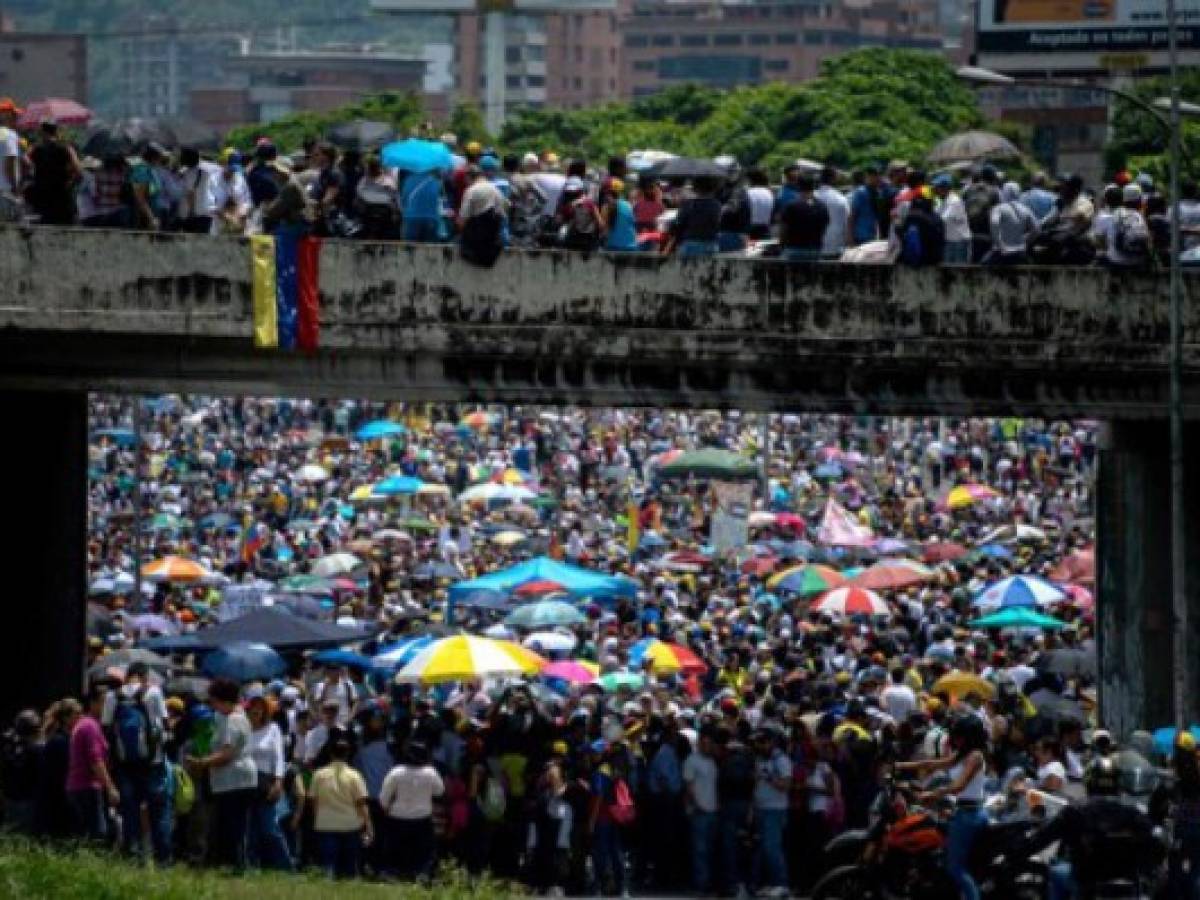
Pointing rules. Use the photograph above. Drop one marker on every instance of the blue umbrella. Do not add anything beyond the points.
(1019, 590)
(347, 658)
(416, 156)
(243, 661)
(994, 551)
(399, 655)
(1164, 738)
(398, 484)
(546, 614)
(380, 428)
(829, 470)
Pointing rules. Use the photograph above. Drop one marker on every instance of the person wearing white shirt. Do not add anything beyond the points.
(838, 207)
(1189, 214)
(266, 839)
(700, 780)
(230, 195)
(953, 213)
(762, 204)
(195, 194)
(407, 800)
(10, 163)
(898, 699)
(1125, 220)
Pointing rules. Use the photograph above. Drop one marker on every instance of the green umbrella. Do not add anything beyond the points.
(545, 614)
(711, 462)
(417, 524)
(1018, 617)
(306, 584)
(614, 681)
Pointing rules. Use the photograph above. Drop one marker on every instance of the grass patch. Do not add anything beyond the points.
(35, 872)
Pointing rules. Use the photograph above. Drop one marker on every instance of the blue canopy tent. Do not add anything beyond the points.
(578, 582)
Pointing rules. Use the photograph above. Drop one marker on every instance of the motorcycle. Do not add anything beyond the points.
(902, 856)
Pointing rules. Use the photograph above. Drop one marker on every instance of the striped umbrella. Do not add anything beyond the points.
(806, 580)
(968, 494)
(465, 656)
(399, 655)
(666, 658)
(851, 601)
(1019, 590)
(894, 574)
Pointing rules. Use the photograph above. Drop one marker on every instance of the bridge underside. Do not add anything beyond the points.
(566, 366)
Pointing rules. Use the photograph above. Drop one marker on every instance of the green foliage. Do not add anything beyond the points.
(466, 121)
(38, 873)
(401, 111)
(1139, 142)
(868, 106)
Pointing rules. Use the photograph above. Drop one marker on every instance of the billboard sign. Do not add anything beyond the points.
(1095, 27)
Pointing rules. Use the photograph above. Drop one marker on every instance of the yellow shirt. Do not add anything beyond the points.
(337, 790)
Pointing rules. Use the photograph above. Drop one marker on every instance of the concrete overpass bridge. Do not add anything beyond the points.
(84, 310)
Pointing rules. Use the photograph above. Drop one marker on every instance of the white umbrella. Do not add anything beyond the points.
(551, 642)
(336, 564)
(312, 474)
(1013, 534)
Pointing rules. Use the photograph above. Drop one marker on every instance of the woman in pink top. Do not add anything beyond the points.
(90, 788)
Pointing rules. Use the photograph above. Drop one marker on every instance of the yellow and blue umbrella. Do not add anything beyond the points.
(465, 656)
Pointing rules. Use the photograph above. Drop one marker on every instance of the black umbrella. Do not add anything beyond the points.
(1056, 708)
(125, 137)
(362, 134)
(270, 626)
(1071, 663)
(687, 167)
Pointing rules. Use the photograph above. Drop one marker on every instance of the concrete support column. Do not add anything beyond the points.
(1133, 575)
(43, 533)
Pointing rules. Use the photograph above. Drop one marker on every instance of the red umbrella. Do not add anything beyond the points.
(893, 574)
(760, 566)
(539, 587)
(942, 551)
(792, 521)
(1080, 596)
(54, 109)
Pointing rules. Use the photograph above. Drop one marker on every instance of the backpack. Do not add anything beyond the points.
(185, 791)
(493, 803)
(979, 200)
(622, 810)
(736, 778)
(912, 248)
(1131, 234)
(136, 739)
(582, 232)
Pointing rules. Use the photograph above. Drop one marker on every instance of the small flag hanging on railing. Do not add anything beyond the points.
(286, 291)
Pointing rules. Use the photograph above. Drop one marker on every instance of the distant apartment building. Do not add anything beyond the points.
(35, 66)
(724, 43)
(264, 85)
(160, 62)
(527, 53)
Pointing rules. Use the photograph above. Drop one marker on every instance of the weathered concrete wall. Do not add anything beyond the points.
(107, 309)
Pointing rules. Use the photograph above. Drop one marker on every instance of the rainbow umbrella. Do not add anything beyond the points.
(967, 494)
(806, 580)
(851, 601)
(666, 658)
(465, 656)
(573, 671)
(894, 574)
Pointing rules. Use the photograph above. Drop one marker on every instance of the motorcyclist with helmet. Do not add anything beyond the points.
(967, 768)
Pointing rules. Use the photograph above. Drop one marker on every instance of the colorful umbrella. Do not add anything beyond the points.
(477, 420)
(1164, 738)
(545, 614)
(573, 671)
(1079, 567)
(397, 485)
(540, 586)
(465, 656)
(1018, 617)
(666, 658)
(1080, 596)
(615, 681)
(1019, 590)
(684, 561)
(380, 428)
(176, 569)
(713, 463)
(1013, 534)
(959, 684)
(397, 656)
(807, 580)
(942, 551)
(968, 494)
(851, 601)
(550, 642)
(417, 156)
(54, 109)
(894, 574)
(760, 566)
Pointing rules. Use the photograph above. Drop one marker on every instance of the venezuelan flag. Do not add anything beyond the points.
(286, 291)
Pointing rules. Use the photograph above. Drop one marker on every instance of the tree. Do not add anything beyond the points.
(402, 111)
(1140, 144)
(466, 122)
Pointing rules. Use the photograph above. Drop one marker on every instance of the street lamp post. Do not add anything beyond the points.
(1170, 124)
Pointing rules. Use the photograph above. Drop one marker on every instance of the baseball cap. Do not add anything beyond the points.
(489, 164)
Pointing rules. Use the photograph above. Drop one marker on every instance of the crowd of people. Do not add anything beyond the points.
(724, 771)
(487, 201)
